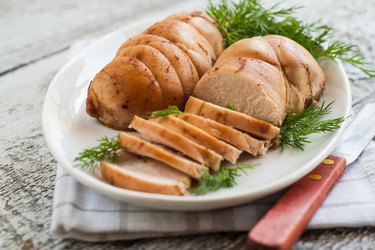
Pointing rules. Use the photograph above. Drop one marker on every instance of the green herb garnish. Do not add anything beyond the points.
(225, 178)
(168, 111)
(297, 127)
(231, 106)
(106, 150)
(248, 18)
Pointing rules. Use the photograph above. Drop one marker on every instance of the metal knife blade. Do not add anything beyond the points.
(357, 135)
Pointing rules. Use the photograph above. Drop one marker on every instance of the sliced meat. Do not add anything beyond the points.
(228, 134)
(255, 87)
(200, 64)
(255, 47)
(165, 136)
(196, 134)
(140, 146)
(180, 61)
(162, 69)
(255, 127)
(259, 48)
(181, 32)
(299, 66)
(295, 100)
(204, 25)
(145, 175)
(122, 89)
(189, 40)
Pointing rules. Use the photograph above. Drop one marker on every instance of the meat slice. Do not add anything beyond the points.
(188, 39)
(200, 63)
(255, 47)
(177, 31)
(162, 69)
(255, 87)
(140, 146)
(299, 66)
(180, 61)
(259, 48)
(145, 175)
(295, 99)
(228, 134)
(122, 89)
(204, 25)
(196, 134)
(255, 127)
(165, 136)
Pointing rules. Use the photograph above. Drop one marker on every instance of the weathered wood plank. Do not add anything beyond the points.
(27, 169)
(33, 31)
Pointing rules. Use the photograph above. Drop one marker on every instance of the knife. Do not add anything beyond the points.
(283, 224)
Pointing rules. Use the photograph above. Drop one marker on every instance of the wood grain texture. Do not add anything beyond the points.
(34, 37)
(48, 27)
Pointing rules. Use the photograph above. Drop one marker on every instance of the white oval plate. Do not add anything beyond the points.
(68, 130)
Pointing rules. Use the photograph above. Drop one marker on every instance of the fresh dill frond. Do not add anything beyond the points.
(168, 111)
(106, 150)
(245, 18)
(230, 106)
(225, 178)
(359, 62)
(296, 127)
(248, 18)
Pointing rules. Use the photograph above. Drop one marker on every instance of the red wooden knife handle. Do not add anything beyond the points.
(281, 227)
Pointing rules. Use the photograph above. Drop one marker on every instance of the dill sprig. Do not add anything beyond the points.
(230, 106)
(248, 18)
(296, 127)
(225, 178)
(168, 111)
(106, 150)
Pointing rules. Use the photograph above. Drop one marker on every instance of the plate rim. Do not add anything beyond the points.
(182, 202)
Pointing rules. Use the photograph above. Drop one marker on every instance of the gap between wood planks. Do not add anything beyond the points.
(30, 49)
(33, 61)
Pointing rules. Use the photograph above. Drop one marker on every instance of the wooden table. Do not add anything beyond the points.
(35, 37)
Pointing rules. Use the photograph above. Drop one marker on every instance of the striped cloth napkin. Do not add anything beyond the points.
(81, 213)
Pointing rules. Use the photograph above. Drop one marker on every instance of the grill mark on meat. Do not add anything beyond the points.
(263, 126)
(204, 50)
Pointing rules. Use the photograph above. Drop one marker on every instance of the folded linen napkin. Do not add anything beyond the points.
(81, 213)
